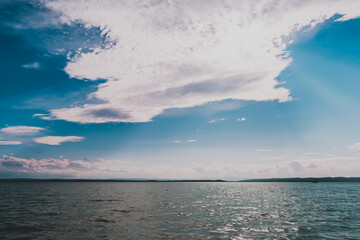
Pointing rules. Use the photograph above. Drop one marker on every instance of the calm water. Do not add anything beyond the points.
(179, 210)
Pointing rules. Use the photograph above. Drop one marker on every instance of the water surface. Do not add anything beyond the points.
(135, 210)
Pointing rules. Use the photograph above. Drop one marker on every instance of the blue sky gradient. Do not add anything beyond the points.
(313, 135)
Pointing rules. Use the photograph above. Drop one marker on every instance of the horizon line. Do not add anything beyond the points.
(292, 179)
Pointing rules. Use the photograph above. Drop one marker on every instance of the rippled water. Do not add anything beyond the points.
(100, 210)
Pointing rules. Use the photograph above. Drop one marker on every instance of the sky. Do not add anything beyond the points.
(179, 89)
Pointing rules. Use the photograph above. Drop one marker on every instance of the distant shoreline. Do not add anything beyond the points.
(313, 180)
(322, 179)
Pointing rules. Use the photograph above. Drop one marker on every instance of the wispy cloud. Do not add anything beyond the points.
(21, 130)
(313, 153)
(34, 65)
(354, 147)
(177, 141)
(57, 140)
(218, 120)
(10, 142)
(242, 119)
(192, 140)
(263, 150)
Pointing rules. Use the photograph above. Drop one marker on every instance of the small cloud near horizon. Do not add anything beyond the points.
(312, 153)
(21, 130)
(354, 147)
(10, 142)
(264, 150)
(296, 166)
(57, 140)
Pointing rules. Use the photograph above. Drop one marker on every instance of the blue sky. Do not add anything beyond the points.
(120, 90)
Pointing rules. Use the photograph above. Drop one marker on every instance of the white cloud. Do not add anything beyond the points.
(10, 142)
(242, 119)
(21, 130)
(182, 54)
(211, 121)
(192, 140)
(354, 147)
(57, 140)
(34, 65)
(177, 141)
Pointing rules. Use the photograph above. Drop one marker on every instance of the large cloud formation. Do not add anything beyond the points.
(177, 54)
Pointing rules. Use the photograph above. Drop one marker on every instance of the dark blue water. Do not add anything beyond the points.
(103, 210)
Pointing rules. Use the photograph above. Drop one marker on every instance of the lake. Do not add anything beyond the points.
(168, 210)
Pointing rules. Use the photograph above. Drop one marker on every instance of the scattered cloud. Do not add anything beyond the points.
(354, 147)
(214, 121)
(21, 130)
(242, 119)
(61, 167)
(177, 141)
(10, 142)
(300, 167)
(192, 140)
(34, 65)
(57, 140)
(197, 51)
